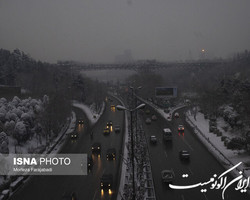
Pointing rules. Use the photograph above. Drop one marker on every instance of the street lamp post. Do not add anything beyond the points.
(119, 107)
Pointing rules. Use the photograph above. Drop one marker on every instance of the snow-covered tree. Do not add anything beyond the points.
(4, 143)
(11, 116)
(2, 113)
(18, 112)
(9, 127)
(20, 132)
(16, 101)
(3, 100)
(27, 119)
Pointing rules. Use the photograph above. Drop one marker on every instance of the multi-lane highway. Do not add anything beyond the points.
(85, 187)
(201, 167)
(164, 155)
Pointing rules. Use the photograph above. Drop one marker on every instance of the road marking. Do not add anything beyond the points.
(94, 195)
(166, 154)
(190, 171)
(205, 196)
(182, 197)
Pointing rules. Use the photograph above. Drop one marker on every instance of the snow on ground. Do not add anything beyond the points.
(125, 154)
(230, 133)
(217, 147)
(39, 143)
(168, 116)
(125, 165)
(57, 142)
(28, 147)
(92, 115)
(54, 147)
(72, 124)
(213, 142)
(61, 138)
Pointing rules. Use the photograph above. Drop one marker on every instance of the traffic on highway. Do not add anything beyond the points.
(176, 156)
(104, 150)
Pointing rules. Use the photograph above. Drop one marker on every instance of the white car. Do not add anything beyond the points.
(176, 115)
(167, 176)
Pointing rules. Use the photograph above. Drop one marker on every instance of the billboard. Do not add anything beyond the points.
(165, 92)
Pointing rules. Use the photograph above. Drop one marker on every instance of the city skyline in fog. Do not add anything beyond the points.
(104, 31)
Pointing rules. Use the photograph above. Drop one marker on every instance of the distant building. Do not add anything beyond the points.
(126, 57)
(9, 91)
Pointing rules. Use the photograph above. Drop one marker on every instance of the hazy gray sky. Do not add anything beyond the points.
(97, 30)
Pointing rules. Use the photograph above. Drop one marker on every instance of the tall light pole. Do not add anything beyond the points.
(119, 107)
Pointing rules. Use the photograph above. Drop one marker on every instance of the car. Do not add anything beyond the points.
(112, 107)
(184, 155)
(148, 121)
(96, 148)
(181, 129)
(117, 128)
(106, 130)
(106, 183)
(167, 176)
(176, 115)
(154, 118)
(90, 162)
(167, 134)
(153, 139)
(109, 124)
(73, 196)
(74, 135)
(187, 101)
(111, 154)
(80, 121)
